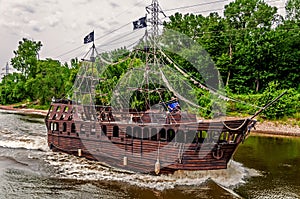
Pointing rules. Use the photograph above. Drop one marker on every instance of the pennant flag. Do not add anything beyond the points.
(89, 38)
(141, 23)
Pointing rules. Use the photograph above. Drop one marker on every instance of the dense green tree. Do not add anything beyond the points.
(251, 45)
(12, 88)
(207, 31)
(39, 80)
(247, 14)
(287, 57)
(249, 24)
(239, 43)
(287, 105)
(26, 57)
(292, 8)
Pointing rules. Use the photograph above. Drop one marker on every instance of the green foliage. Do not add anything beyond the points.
(246, 48)
(246, 104)
(26, 57)
(39, 80)
(292, 8)
(49, 81)
(12, 88)
(242, 14)
(288, 105)
(110, 75)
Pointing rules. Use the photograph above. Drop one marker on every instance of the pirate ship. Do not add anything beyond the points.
(149, 121)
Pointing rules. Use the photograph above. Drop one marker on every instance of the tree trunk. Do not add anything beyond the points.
(228, 76)
(257, 84)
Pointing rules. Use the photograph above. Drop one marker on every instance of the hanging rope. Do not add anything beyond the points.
(174, 72)
(235, 129)
(176, 93)
(192, 79)
(203, 86)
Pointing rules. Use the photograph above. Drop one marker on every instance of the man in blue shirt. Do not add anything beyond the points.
(174, 105)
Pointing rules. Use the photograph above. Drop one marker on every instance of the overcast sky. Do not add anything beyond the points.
(62, 24)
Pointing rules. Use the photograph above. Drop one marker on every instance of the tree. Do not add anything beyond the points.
(247, 14)
(50, 81)
(287, 59)
(250, 22)
(26, 57)
(12, 88)
(292, 8)
(39, 80)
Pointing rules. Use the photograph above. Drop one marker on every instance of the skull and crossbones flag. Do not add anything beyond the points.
(89, 38)
(141, 23)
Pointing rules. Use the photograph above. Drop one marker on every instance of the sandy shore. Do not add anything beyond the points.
(23, 110)
(266, 127)
(274, 128)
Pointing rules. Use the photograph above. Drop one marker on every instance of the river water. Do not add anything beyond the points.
(263, 167)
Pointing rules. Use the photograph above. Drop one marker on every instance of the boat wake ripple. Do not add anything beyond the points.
(10, 139)
(71, 167)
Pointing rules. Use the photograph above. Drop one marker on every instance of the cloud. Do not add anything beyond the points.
(57, 22)
(53, 2)
(16, 14)
(114, 5)
(36, 26)
(54, 18)
(24, 8)
(95, 22)
(83, 2)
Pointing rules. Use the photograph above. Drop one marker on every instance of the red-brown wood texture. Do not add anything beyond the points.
(177, 144)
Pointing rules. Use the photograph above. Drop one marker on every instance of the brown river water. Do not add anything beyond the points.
(262, 167)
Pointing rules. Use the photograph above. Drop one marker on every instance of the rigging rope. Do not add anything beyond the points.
(235, 129)
(176, 93)
(174, 72)
(201, 85)
(192, 79)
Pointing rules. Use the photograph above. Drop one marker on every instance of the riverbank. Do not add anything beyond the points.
(265, 127)
(11, 108)
(275, 128)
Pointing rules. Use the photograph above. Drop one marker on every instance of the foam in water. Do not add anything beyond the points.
(26, 141)
(71, 167)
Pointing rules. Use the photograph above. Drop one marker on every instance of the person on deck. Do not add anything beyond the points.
(174, 106)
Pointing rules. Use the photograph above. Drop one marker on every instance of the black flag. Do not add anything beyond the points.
(141, 23)
(89, 38)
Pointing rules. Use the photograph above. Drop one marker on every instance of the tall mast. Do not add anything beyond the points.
(153, 10)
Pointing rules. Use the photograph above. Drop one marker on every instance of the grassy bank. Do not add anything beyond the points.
(285, 111)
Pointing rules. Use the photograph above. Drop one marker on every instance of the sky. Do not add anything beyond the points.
(61, 25)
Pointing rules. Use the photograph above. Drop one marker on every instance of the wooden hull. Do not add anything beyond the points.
(148, 147)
